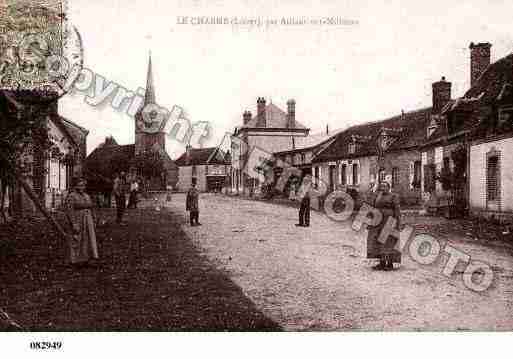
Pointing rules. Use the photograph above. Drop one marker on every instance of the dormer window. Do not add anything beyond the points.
(433, 125)
(505, 116)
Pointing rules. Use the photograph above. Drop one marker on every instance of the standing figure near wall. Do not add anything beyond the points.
(388, 204)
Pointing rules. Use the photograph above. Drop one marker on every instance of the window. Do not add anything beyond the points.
(429, 178)
(417, 174)
(395, 177)
(505, 117)
(351, 147)
(492, 178)
(343, 175)
(316, 174)
(381, 175)
(194, 171)
(447, 164)
(303, 158)
(355, 173)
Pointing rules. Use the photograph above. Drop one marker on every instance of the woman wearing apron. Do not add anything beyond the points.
(388, 204)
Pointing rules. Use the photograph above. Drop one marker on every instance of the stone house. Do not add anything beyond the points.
(209, 168)
(271, 130)
(382, 150)
(302, 152)
(49, 173)
(490, 181)
(446, 163)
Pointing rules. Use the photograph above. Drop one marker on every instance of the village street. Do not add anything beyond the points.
(317, 278)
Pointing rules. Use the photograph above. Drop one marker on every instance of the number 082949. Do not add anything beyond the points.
(46, 345)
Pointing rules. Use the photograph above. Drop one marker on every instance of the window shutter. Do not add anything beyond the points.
(412, 174)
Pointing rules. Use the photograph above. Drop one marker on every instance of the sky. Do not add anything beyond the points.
(382, 63)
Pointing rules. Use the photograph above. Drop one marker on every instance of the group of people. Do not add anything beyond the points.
(81, 220)
(83, 247)
(387, 203)
(122, 187)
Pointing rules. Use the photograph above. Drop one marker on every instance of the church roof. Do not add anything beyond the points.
(149, 96)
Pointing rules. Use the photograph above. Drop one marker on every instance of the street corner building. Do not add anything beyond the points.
(146, 159)
(209, 168)
(271, 130)
(47, 170)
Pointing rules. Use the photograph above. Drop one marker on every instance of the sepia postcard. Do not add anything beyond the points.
(170, 169)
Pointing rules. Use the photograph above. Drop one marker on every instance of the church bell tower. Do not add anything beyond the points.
(148, 137)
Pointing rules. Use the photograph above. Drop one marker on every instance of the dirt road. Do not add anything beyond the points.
(316, 278)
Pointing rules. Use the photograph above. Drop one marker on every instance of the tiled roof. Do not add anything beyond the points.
(409, 129)
(106, 153)
(275, 118)
(311, 141)
(491, 82)
(203, 156)
(491, 87)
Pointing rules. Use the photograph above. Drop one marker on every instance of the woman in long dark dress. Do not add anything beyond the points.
(82, 242)
(388, 204)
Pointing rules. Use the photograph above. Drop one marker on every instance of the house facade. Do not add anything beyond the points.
(452, 154)
(362, 155)
(271, 130)
(490, 182)
(48, 172)
(300, 156)
(209, 168)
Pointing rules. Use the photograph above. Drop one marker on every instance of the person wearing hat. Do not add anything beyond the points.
(192, 206)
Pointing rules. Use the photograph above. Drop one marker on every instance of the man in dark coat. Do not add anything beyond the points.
(304, 210)
(119, 191)
(191, 205)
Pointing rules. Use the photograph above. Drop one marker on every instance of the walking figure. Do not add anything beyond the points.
(191, 205)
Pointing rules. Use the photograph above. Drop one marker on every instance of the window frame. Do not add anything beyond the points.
(494, 200)
(395, 177)
(355, 174)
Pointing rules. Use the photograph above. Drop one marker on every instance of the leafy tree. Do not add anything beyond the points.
(24, 134)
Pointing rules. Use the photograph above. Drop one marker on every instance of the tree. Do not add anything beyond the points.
(24, 132)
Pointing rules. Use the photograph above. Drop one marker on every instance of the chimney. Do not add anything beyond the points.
(246, 117)
(261, 120)
(441, 94)
(479, 60)
(291, 113)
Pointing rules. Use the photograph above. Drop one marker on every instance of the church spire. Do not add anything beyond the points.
(149, 96)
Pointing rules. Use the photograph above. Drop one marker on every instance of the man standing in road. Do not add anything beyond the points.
(119, 191)
(192, 205)
(304, 210)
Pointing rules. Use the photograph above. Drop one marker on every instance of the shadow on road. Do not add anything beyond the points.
(150, 278)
